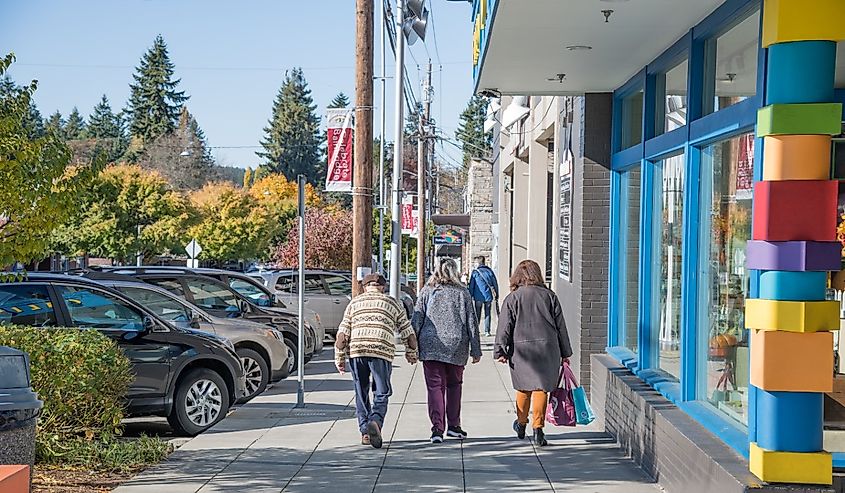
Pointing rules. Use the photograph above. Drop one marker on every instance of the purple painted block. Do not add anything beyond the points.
(795, 256)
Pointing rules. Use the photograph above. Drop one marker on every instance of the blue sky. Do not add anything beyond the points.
(231, 57)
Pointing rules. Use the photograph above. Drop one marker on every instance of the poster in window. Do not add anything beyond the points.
(745, 168)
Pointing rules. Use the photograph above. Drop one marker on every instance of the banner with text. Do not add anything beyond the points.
(340, 143)
(410, 217)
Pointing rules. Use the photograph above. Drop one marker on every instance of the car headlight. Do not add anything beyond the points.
(275, 333)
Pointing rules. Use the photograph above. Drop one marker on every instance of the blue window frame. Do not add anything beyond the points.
(681, 385)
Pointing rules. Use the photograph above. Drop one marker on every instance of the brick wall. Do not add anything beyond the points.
(666, 442)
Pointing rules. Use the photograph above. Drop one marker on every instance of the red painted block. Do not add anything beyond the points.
(795, 210)
(14, 479)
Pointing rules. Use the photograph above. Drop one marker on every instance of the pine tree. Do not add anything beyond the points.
(154, 103)
(75, 126)
(475, 142)
(103, 123)
(32, 120)
(339, 101)
(292, 144)
(56, 124)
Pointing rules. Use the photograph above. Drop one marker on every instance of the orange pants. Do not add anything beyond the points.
(537, 400)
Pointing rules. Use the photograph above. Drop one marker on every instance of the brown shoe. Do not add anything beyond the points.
(365, 439)
(374, 431)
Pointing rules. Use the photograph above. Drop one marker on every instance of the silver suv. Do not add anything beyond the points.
(261, 349)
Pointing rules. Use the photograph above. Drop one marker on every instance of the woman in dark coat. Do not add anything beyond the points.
(532, 339)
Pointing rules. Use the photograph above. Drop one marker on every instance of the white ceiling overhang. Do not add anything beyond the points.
(527, 44)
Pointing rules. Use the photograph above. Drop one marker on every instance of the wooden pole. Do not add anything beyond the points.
(362, 189)
(422, 174)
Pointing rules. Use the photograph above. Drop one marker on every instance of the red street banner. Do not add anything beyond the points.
(340, 136)
(410, 217)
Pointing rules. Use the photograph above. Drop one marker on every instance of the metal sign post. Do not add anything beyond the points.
(300, 350)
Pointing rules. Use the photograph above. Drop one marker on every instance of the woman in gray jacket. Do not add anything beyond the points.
(447, 331)
(532, 339)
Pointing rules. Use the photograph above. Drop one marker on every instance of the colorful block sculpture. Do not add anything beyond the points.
(796, 157)
(795, 210)
(791, 467)
(802, 72)
(800, 119)
(793, 286)
(790, 421)
(792, 361)
(792, 316)
(802, 20)
(793, 255)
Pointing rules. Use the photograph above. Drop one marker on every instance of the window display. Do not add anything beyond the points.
(726, 187)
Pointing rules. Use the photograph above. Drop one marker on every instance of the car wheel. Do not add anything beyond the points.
(200, 402)
(292, 352)
(256, 371)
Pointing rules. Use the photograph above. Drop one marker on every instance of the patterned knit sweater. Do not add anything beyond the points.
(372, 322)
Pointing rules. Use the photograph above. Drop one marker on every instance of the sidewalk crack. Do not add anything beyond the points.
(392, 434)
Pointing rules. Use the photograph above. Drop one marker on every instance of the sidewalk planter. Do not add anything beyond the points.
(19, 409)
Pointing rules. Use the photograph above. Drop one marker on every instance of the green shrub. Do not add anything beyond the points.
(81, 375)
(114, 454)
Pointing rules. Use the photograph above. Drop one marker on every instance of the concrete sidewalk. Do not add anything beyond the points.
(267, 446)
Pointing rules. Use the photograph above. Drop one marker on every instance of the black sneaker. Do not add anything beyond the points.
(436, 436)
(456, 432)
(540, 437)
(374, 432)
(519, 429)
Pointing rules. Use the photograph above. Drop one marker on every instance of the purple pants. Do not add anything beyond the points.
(444, 382)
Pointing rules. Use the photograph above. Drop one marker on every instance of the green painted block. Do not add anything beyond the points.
(800, 119)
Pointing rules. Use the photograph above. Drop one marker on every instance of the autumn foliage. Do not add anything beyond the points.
(328, 241)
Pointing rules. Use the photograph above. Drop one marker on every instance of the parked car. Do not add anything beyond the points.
(264, 353)
(255, 290)
(327, 293)
(189, 376)
(219, 299)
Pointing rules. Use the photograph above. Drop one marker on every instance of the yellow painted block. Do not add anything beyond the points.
(790, 467)
(792, 362)
(785, 21)
(792, 316)
(796, 157)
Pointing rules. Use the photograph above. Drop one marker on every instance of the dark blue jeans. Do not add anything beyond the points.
(486, 305)
(363, 369)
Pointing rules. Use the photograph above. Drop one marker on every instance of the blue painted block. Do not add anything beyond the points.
(801, 72)
(793, 286)
(790, 421)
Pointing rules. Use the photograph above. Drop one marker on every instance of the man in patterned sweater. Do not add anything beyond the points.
(366, 345)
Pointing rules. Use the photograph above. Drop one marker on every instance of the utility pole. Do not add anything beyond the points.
(399, 118)
(422, 176)
(362, 189)
(382, 197)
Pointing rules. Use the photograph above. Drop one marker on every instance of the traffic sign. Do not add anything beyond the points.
(193, 248)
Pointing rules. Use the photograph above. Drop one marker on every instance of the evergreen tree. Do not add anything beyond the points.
(103, 123)
(339, 101)
(32, 120)
(154, 103)
(182, 156)
(56, 124)
(474, 141)
(75, 126)
(292, 144)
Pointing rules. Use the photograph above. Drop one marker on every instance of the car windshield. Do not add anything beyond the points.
(251, 291)
(160, 304)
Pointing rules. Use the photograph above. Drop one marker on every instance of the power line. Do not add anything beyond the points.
(434, 31)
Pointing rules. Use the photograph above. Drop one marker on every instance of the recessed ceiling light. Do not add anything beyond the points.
(579, 48)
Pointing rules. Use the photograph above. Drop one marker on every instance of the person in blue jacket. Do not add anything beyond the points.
(484, 290)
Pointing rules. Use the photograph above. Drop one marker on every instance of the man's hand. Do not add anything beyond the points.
(411, 358)
(502, 359)
(341, 366)
(564, 361)
(476, 359)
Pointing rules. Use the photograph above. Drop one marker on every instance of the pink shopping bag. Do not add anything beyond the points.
(561, 408)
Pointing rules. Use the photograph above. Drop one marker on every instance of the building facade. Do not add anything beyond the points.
(676, 173)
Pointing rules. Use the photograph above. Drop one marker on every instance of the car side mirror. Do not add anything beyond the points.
(195, 320)
(149, 323)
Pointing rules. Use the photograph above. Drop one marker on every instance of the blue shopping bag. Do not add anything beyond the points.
(583, 412)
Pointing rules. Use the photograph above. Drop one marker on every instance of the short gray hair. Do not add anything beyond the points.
(446, 272)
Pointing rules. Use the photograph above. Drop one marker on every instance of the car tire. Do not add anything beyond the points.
(201, 391)
(293, 364)
(256, 371)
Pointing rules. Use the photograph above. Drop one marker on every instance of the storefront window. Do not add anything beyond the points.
(631, 184)
(667, 241)
(727, 169)
(632, 120)
(731, 65)
(671, 88)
